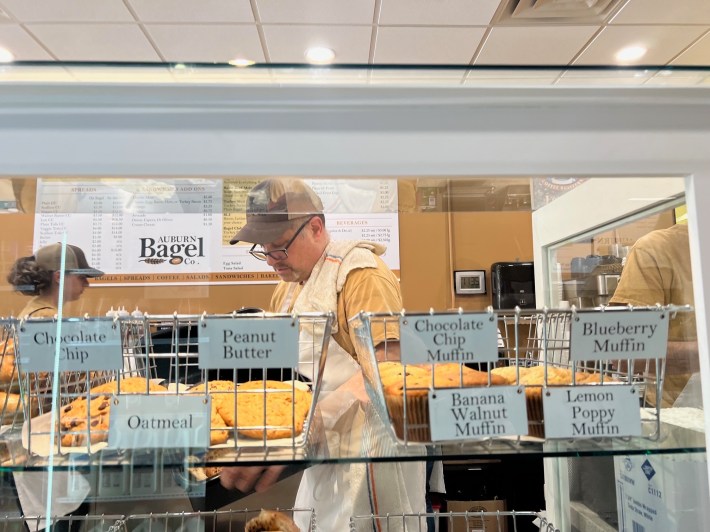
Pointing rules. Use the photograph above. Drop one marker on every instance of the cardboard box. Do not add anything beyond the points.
(475, 523)
(658, 493)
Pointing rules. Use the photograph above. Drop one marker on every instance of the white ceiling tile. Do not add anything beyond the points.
(664, 12)
(544, 45)
(698, 54)
(68, 10)
(287, 44)
(95, 42)
(427, 45)
(21, 44)
(189, 11)
(206, 43)
(316, 11)
(438, 12)
(5, 17)
(663, 43)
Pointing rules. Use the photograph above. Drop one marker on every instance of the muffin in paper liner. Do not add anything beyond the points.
(417, 415)
(533, 402)
(419, 380)
(533, 378)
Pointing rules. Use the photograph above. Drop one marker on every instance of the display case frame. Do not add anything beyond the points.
(215, 129)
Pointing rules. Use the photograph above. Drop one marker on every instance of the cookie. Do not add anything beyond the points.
(8, 370)
(281, 414)
(220, 392)
(271, 521)
(89, 413)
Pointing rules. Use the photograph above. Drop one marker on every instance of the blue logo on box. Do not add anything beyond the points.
(648, 470)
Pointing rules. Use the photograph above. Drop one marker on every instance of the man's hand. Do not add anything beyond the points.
(246, 478)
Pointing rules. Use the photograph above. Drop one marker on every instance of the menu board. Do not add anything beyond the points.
(177, 231)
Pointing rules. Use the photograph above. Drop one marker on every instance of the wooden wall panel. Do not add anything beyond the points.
(432, 245)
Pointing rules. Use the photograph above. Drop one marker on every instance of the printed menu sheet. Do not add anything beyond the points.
(177, 231)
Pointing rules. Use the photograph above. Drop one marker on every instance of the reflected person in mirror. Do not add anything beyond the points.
(39, 275)
(286, 225)
(657, 270)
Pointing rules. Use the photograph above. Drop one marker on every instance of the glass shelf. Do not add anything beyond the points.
(376, 445)
(381, 75)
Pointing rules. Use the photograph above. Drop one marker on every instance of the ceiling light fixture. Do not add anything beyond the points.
(630, 53)
(319, 55)
(6, 56)
(241, 62)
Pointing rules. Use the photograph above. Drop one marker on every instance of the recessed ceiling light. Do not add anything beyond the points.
(319, 55)
(179, 66)
(6, 56)
(630, 53)
(241, 62)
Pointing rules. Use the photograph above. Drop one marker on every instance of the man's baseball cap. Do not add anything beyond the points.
(272, 204)
(50, 258)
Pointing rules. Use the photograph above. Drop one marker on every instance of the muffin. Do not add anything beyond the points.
(534, 381)
(406, 391)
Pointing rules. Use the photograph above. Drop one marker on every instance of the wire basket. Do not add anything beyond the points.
(86, 523)
(161, 356)
(535, 338)
(527, 339)
(215, 521)
(12, 402)
(501, 521)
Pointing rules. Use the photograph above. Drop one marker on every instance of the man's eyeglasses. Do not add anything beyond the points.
(277, 254)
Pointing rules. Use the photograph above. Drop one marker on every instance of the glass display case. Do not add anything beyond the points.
(149, 175)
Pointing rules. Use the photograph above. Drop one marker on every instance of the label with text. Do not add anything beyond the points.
(619, 335)
(159, 421)
(458, 338)
(226, 343)
(80, 345)
(591, 411)
(472, 413)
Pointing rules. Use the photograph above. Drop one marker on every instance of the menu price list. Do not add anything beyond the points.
(140, 231)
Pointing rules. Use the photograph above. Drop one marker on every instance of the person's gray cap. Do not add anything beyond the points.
(50, 258)
(270, 207)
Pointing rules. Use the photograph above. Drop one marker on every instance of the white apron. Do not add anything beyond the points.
(338, 491)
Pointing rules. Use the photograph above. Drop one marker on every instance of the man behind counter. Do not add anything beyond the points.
(658, 271)
(285, 222)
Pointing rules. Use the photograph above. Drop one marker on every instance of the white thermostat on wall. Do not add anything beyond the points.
(467, 282)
